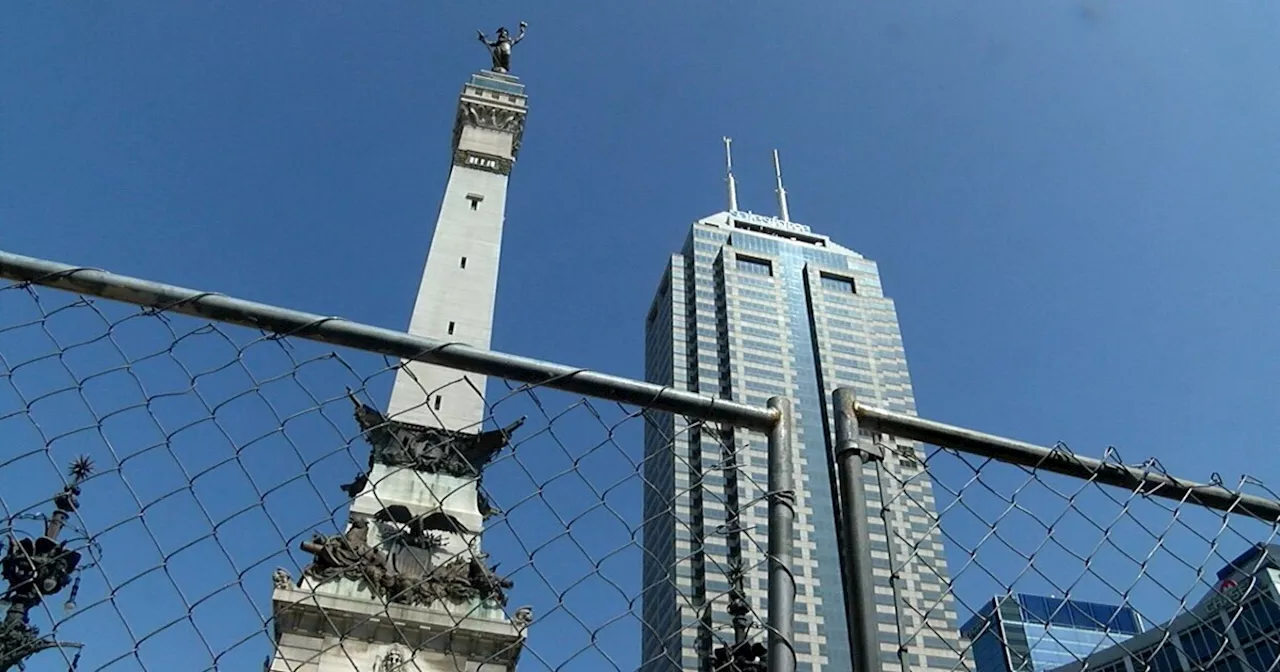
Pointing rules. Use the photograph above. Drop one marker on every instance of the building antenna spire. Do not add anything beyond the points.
(782, 193)
(728, 167)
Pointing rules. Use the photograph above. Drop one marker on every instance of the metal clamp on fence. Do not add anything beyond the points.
(865, 451)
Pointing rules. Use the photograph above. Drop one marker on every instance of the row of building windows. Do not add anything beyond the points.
(762, 333)
(766, 388)
(754, 243)
(754, 266)
(848, 349)
(759, 345)
(852, 363)
(758, 307)
(756, 358)
(847, 337)
(837, 284)
(756, 294)
(709, 234)
(756, 281)
(764, 373)
(842, 377)
(843, 312)
(877, 321)
(758, 319)
(706, 247)
(892, 365)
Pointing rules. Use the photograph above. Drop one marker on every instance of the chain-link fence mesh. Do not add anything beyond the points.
(225, 458)
(1048, 571)
(218, 452)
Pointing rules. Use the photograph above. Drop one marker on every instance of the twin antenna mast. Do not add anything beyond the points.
(783, 211)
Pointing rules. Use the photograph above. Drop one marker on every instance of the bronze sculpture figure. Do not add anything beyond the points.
(500, 48)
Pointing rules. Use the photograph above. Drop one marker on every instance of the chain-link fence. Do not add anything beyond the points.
(248, 501)
(1052, 560)
(239, 487)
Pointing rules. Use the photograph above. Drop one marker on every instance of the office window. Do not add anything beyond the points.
(1162, 659)
(837, 284)
(1260, 657)
(758, 319)
(709, 234)
(762, 359)
(754, 266)
(764, 373)
(1259, 615)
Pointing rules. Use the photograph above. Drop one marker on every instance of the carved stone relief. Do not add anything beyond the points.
(493, 118)
(409, 579)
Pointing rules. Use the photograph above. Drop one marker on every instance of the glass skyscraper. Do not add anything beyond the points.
(1031, 633)
(753, 307)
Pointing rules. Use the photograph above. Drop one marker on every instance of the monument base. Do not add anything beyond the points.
(327, 632)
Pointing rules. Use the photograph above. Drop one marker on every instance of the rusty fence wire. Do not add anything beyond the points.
(203, 477)
(989, 554)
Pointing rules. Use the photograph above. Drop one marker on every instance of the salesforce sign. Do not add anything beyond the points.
(765, 220)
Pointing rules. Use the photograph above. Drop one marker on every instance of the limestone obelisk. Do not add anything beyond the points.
(406, 587)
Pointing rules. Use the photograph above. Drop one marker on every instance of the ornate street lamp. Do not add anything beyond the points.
(36, 568)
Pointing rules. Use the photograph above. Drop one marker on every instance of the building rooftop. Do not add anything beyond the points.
(1258, 557)
(1068, 613)
(1248, 609)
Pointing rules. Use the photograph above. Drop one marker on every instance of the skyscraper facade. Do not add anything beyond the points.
(1033, 633)
(752, 307)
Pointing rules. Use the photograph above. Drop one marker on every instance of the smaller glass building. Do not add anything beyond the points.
(1032, 633)
(1234, 628)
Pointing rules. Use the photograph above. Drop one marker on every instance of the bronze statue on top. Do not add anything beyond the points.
(500, 48)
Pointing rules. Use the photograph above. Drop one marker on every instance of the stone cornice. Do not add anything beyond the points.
(492, 117)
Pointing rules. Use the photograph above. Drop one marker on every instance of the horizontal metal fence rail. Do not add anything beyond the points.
(1064, 462)
(234, 417)
(1042, 544)
(341, 332)
(982, 495)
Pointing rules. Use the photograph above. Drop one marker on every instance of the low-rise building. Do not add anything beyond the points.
(1235, 628)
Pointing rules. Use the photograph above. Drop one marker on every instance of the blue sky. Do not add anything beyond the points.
(1071, 202)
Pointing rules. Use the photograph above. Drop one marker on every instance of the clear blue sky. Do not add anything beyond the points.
(1072, 203)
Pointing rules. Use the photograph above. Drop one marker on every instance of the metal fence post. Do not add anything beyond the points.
(850, 499)
(782, 518)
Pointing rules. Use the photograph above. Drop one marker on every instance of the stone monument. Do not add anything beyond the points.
(406, 586)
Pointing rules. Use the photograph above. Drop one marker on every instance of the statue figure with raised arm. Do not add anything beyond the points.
(500, 48)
